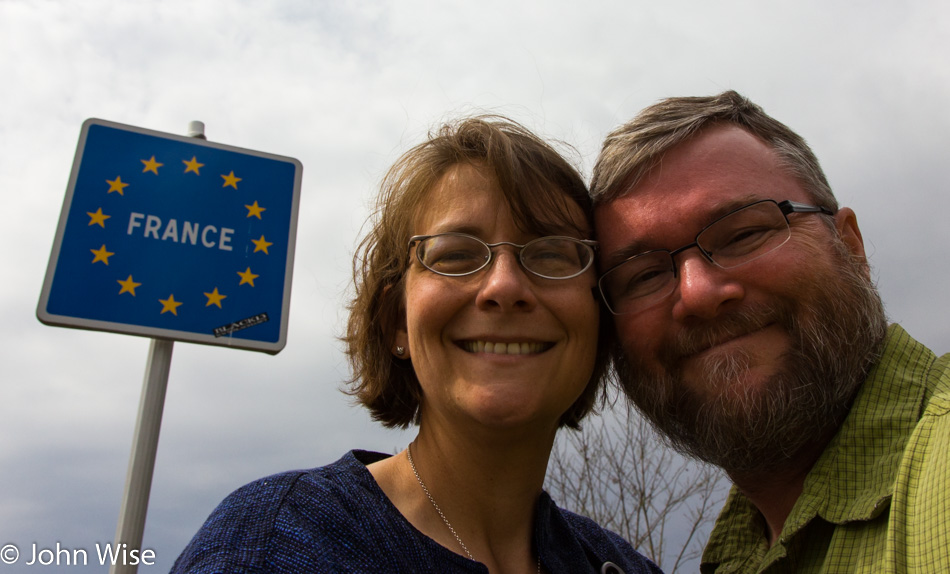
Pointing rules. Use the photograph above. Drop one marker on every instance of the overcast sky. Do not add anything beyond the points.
(345, 87)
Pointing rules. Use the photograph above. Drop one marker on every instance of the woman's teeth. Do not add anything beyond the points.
(502, 348)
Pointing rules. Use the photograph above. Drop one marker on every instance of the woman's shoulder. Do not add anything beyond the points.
(256, 502)
(601, 545)
(276, 520)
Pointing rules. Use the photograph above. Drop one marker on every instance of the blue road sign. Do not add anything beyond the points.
(172, 237)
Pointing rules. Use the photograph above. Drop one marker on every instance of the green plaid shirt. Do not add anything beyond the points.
(878, 499)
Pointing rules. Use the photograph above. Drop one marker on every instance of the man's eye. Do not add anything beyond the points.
(744, 240)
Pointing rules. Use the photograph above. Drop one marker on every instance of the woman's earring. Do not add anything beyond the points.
(400, 351)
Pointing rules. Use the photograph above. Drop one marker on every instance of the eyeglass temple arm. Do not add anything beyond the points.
(795, 207)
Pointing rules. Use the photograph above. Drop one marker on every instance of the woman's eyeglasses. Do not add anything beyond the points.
(459, 254)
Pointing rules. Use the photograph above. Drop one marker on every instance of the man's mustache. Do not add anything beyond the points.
(749, 319)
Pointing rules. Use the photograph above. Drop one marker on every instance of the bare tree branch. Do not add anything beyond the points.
(619, 473)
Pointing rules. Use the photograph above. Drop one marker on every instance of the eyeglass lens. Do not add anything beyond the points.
(733, 240)
(456, 254)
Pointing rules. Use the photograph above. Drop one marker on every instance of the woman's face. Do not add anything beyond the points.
(455, 326)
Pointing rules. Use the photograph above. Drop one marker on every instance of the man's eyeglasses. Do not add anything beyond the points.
(732, 240)
(458, 254)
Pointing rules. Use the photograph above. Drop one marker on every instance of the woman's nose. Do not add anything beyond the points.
(506, 284)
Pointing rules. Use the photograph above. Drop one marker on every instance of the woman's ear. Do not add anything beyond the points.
(401, 336)
(399, 345)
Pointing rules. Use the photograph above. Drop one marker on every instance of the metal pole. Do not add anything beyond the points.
(138, 480)
(148, 424)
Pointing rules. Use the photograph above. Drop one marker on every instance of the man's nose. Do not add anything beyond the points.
(704, 290)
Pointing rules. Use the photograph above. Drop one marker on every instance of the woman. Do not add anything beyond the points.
(474, 318)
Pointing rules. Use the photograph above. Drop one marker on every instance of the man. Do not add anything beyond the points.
(751, 335)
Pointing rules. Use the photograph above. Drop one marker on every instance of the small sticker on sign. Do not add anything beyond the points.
(240, 325)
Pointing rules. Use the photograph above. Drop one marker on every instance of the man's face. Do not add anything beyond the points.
(741, 367)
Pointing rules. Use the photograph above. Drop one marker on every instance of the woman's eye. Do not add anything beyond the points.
(454, 261)
(555, 255)
(455, 256)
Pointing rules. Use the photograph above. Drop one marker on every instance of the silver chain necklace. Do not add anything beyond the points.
(412, 465)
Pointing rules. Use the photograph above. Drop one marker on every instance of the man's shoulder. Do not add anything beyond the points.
(930, 371)
(940, 376)
(933, 429)
(906, 371)
(919, 530)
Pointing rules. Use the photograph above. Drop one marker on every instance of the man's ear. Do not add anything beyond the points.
(846, 222)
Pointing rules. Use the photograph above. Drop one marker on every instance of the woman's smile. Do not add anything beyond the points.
(502, 348)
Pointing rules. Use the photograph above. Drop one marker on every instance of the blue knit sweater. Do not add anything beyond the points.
(336, 519)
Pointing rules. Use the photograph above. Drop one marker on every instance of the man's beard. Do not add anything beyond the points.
(836, 331)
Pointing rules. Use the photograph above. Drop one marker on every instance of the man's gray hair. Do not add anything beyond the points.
(633, 149)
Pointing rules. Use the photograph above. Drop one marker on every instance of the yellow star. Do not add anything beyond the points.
(214, 298)
(101, 254)
(261, 245)
(128, 286)
(170, 305)
(116, 185)
(247, 277)
(231, 180)
(98, 217)
(255, 210)
(193, 165)
(151, 165)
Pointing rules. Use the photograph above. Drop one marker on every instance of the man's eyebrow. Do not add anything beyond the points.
(624, 253)
(728, 207)
(640, 246)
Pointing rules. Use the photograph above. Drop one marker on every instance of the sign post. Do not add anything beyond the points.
(195, 243)
(138, 478)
